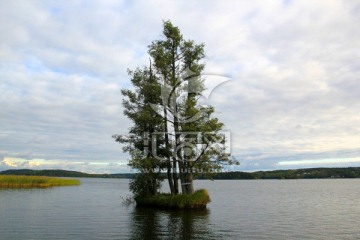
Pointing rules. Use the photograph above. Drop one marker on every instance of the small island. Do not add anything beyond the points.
(196, 200)
(19, 181)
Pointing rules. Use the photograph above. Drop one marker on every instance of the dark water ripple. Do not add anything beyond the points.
(270, 209)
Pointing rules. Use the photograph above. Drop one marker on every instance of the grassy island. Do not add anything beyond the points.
(11, 181)
(197, 200)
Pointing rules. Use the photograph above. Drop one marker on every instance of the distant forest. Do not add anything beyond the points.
(63, 173)
(309, 173)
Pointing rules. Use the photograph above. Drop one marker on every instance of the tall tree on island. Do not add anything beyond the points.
(180, 135)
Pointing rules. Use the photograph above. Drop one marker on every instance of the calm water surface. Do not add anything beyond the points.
(262, 209)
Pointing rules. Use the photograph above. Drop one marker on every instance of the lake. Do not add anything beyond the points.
(246, 209)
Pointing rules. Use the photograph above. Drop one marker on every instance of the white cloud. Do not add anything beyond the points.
(319, 161)
(294, 67)
(88, 167)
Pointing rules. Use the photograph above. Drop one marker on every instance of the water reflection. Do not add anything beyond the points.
(147, 223)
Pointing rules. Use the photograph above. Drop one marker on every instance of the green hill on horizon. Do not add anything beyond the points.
(306, 173)
(62, 173)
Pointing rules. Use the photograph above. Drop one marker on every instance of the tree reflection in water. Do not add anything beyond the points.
(147, 223)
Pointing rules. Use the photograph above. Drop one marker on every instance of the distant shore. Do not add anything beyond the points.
(308, 173)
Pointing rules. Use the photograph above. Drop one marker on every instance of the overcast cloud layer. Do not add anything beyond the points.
(293, 100)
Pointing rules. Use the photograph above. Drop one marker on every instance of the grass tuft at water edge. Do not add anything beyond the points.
(198, 199)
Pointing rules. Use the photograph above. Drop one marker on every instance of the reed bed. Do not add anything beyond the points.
(12, 181)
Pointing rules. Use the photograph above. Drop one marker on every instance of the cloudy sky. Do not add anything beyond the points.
(293, 100)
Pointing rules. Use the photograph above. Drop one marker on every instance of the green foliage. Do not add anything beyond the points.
(10, 181)
(138, 109)
(145, 184)
(196, 200)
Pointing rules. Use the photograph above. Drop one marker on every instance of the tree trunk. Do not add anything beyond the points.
(176, 121)
(175, 177)
(187, 186)
(191, 184)
(182, 177)
(175, 161)
(169, 176)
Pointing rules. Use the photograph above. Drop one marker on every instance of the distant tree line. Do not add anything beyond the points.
(62, 173)
(310, 173)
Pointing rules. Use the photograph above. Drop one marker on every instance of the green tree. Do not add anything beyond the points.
(146, 122)
(184, 137)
